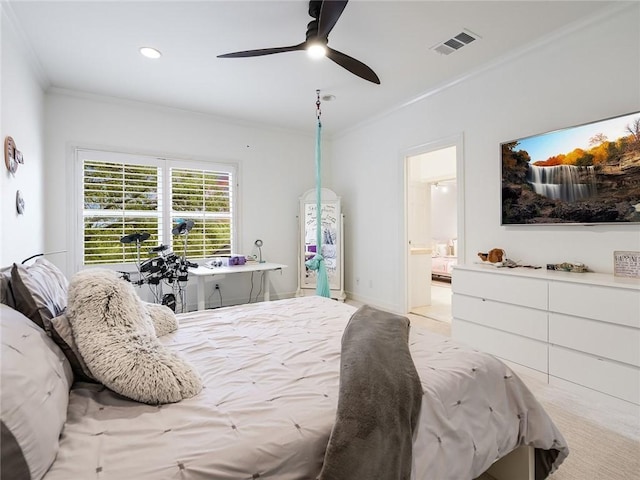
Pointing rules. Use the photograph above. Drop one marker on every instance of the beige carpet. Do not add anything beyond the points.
(604, 442)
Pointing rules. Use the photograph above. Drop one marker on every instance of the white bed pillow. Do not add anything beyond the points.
(35, 378)
(117, 339)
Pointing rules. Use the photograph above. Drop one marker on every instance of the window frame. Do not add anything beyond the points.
(165, 163)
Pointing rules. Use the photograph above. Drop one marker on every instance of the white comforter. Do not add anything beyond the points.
(271, 376)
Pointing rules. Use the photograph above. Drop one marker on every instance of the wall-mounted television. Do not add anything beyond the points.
(585, 174)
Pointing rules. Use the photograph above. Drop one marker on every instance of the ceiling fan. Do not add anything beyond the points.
(325, 15)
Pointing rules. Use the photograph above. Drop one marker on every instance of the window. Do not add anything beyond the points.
(204, 196)
(126, 194)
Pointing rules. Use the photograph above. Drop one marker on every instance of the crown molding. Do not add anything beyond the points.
(10, 19)
(616, 7)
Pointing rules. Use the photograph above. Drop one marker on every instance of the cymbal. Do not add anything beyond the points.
(159, 248)
(135, 237)
(183, 227)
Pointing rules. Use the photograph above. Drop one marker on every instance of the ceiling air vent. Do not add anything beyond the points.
(455, 43)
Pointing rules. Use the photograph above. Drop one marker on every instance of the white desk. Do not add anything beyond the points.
(202, 272)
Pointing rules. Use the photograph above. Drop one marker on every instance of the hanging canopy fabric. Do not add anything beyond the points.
(317, 262)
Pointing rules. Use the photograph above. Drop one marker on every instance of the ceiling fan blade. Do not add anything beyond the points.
(330, 12)
(354, 66)
(264, 51)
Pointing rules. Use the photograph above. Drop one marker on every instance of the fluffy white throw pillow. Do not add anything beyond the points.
(117, 339)
(163, 318)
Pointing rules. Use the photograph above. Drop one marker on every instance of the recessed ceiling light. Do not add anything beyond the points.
(150, 52)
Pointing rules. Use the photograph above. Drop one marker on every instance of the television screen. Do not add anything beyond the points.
(587, 174)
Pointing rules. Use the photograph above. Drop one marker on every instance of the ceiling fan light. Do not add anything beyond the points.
(316, 50)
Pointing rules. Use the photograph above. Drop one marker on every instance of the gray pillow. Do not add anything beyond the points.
(6, 295)
(62, 334)
(39, 291)
(36, 378)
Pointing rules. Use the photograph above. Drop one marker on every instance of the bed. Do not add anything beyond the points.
(443, 259)
(271, 376)
(442, 266)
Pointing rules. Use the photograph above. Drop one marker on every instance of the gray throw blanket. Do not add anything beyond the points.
(379, 401)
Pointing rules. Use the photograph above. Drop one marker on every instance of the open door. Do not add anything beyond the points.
(419, 263)
(433, 165)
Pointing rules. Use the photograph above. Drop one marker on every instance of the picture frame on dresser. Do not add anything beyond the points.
(626, 264)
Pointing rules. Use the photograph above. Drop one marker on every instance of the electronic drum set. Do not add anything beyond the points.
(165, 266)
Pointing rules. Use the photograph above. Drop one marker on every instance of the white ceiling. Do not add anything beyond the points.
(92, 46)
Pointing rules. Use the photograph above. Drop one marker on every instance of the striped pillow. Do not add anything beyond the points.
(39, 291)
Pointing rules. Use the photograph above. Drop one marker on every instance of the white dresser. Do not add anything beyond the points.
(580, 329)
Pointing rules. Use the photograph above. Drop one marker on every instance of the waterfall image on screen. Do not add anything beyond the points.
(587, 174)
(568, 183)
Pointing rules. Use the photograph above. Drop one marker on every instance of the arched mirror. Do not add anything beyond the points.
(332, 242)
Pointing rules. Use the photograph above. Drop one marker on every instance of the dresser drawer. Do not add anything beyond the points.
(602, 339)
(528, 292)
(613, 305)
(515, 348)
(527, 322)
(615, 379)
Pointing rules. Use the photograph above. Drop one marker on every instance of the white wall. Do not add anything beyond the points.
(275, 168)
(589, 72)
(444, 213)
(22, 118)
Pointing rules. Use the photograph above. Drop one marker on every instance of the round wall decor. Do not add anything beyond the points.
(9, 158)
(12, 156)
(19, 202)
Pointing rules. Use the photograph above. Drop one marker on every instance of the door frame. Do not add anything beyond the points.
(456, 141)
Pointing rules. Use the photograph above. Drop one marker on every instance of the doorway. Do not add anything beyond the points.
(434, 237)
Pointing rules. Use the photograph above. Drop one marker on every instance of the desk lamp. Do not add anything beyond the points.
(258, 243)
